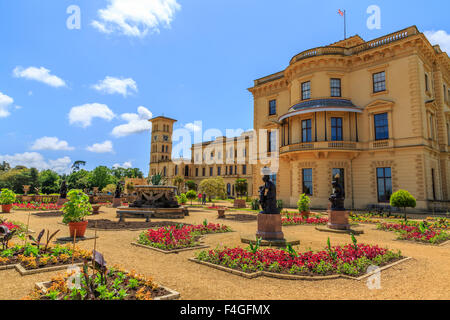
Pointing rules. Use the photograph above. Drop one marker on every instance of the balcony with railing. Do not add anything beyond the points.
(381, 41)
(321, 145)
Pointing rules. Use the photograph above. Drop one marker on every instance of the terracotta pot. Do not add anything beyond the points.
(221, 213)
(6, 208)
(95, 209)
(79, 226)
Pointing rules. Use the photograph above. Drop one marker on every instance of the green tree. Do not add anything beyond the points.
(79, 180)
(178, 182)
(34, 179)
(241, 187)
(49, 181)
(101, 177)
(191, 185)
(403, 199)
(213, 187)
(76, 165)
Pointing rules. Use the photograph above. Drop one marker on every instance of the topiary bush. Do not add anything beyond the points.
(403, 199)
(191, 195)
(303, 203)
(182, 199)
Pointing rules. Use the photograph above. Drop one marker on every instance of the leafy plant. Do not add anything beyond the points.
(7, 196)
(191, 195)
(331, 252)
(291, 250)
(77, 207)
(255, 248)
(182, 199)
(355, 242)
(303, 203)
(205, 222)
(280, 204)
(37, 241)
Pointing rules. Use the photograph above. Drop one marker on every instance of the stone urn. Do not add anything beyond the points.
(96, 209)
(221, 212)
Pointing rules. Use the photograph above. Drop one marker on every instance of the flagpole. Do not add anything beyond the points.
(345, 25)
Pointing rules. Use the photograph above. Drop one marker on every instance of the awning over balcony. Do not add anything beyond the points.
(320, 105)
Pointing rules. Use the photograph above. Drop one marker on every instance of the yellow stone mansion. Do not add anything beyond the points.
(377, 113)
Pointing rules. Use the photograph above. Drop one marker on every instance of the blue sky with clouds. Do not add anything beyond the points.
(85, 94)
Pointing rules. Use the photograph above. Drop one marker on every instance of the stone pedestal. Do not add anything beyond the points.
(338, 220)
(117, 202)
(269, 227)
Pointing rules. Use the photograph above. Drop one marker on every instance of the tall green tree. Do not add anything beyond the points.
(241, 187)
(49, 181)
(101, 177)
(79, 180)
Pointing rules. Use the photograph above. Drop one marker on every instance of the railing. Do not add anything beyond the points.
(382, 144)
(331, 145)
(40, 199)
(402, 34)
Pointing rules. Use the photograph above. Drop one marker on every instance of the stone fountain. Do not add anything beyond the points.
(155, 201)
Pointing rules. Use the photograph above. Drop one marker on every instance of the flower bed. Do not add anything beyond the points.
(178, 237)
(13, 225)
(420, 233)
(32, 257)
(292, 221)
(35, 206)
(346, 260)
(112, 284)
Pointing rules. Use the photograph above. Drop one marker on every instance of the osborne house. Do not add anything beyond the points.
(377, 113)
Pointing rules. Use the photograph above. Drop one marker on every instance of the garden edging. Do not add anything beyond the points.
(294, 277)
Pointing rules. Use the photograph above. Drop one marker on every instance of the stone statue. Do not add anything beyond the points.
(268, 197)
(63, 190)
(337, 197)
(118, 192)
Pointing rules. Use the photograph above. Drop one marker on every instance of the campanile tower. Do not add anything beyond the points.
(161, 145)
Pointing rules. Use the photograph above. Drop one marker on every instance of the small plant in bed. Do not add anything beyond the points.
(37, 255)
(352, 259)
(295, 220)
(36, 206)
(422, 232)
(103, 283)
(180, 236)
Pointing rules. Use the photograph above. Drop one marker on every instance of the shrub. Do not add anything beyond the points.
(182, 199)
(403, 199)
(303, 203)
(77, 207)
(7, 196)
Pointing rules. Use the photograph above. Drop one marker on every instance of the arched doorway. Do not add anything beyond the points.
(228, 189)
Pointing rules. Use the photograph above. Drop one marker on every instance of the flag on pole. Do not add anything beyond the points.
(342, 13)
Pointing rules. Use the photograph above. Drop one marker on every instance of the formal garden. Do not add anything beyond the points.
(70, 244)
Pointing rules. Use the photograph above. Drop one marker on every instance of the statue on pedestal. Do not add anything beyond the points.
(268, 197)
(118, 192)
(63, 190)
(337, 197)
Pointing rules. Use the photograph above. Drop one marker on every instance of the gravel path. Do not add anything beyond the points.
(427, 276)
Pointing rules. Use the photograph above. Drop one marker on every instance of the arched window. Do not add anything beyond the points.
(228, 189)
(164, 171)
(176, 170)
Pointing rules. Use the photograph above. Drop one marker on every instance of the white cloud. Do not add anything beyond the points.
(136, 18)
(125, 165)
(39, 74)
(5, 104)
(105, 147)
(136, 123)
(193, 127)
(36, 160)
(85, 113)
(51, 143)
(440, 37)
(113, 85)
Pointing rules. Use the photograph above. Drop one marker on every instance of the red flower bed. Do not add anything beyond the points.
(177, 237)
(336, 260)
(420, 233)
(301, 220)
(34, 206)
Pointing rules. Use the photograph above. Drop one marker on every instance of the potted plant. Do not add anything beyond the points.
(303, 205)
(7, 198)
(75, 209)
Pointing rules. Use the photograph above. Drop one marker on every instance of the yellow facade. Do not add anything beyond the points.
(386, 115)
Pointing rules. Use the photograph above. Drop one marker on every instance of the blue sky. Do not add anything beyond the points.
(195, 62)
